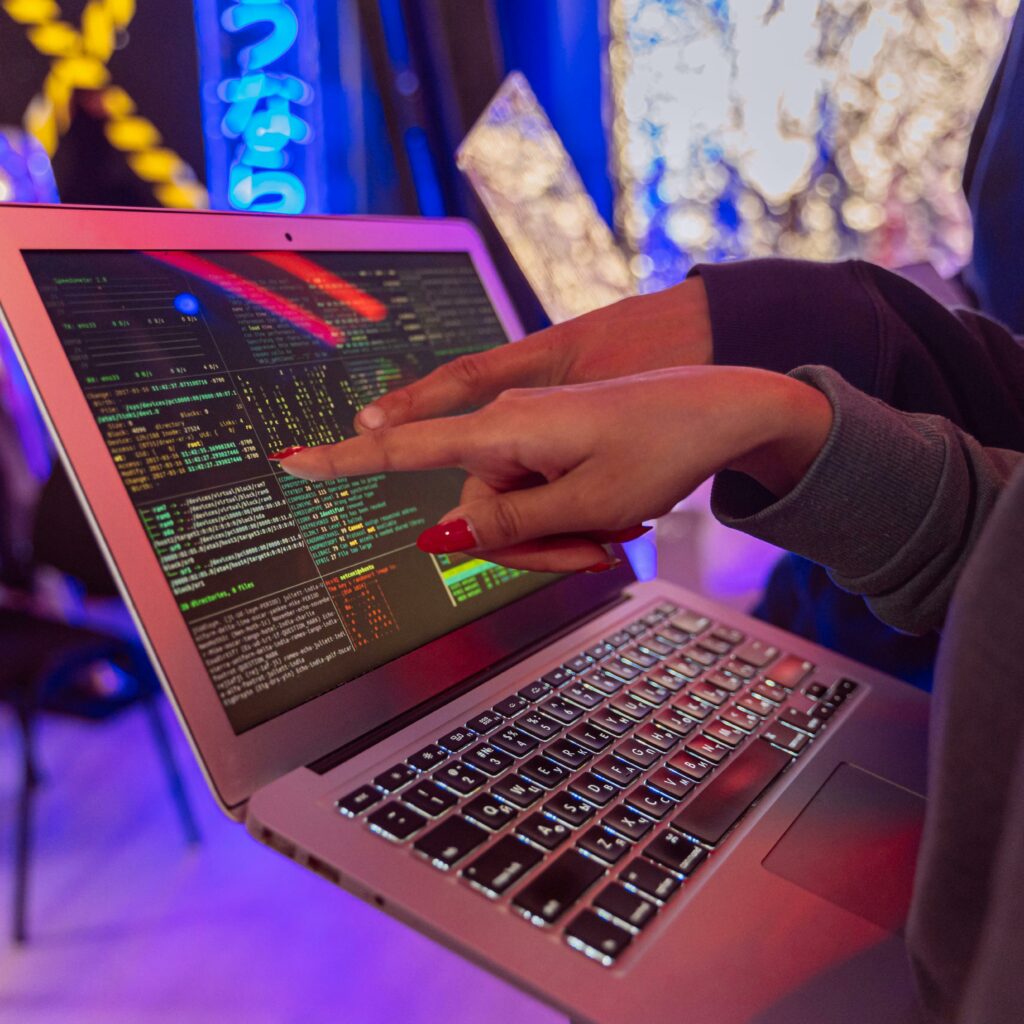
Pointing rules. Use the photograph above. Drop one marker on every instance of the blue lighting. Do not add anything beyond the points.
(262, 107)
(186, 304)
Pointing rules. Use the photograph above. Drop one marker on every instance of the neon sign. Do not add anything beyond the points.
(262, 109)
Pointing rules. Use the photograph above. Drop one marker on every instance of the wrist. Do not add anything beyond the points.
(794, 423)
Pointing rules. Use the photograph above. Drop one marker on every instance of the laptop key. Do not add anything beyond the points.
(816, 691)
(556, 677)
(582, 695)
(490, 812)
(569, 809)
(672, 851)
(452, 840)
(611, 721)
(770, 691)
(758, 705)
(714, 810)
(666, 680)
(650, 802)
(456, 740)
(589, 736)
(649, 879)
(620, 668)
(622, 773)
(557, 887)
(601, 650)
(502, 865)
(714, 646)
(535, 690)
(649, 693)
(511, 706)
(485, 722)
(639, 658)
(672, 636)
(654, 736)
(630, 707)
(637, 628)
(597, 938)
(724, 681)
(427, 758)
(625, 906)
(790, 671)
(593, 789)
(460, 777)
(628, 822)
(670, 783)
(396, 821)
(781, 735)
(514, 741)
(539, 725)
(394, 778)
(544, 772)
(691, 708)
(653, 645)
(756, 653)
(578, 664)
(704, 691)
(728, 634)
(429, 798)
(801, 720)
(359, 800)
(707, 749)
(654, 617)
(604, 844)
(690, 622)
(544, 831)
(516, 790)
(619, 639)
(722, 732)
(572, 755)
(561, 710)
(739, 668)
(740, 719)
(488, 759)
(675, 721)
(692, 767)
(683, 667)
(640, 755)
(604, 683)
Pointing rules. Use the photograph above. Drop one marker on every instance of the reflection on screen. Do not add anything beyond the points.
(196, 366)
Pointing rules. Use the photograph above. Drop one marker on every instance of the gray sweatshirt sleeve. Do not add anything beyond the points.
(892, 506)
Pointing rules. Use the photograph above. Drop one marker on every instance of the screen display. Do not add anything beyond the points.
(196, 366)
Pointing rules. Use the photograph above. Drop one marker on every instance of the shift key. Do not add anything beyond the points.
(725, 799)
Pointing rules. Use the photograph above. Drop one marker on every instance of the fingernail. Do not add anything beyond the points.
(603, 566)
(446, 538)
(287, 453)
(372, 417)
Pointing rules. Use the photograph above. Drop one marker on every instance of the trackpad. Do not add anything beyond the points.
(855, 844)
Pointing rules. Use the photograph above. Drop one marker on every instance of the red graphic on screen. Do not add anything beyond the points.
(330, 284)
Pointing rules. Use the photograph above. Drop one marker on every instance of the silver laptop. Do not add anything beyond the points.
(634, 804)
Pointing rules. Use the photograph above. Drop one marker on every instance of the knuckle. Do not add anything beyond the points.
(467, 371)
(507, 522)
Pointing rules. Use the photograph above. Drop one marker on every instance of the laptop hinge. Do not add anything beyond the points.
(324, 764)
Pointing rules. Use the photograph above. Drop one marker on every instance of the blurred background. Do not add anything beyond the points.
(640, 137)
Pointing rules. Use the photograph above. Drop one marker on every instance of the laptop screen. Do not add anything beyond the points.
(196, 366)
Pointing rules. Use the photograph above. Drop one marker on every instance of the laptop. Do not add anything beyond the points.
(631, 802)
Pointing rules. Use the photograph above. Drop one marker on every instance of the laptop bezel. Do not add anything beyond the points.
(237, 765)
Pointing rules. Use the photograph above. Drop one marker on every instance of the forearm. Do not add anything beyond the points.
(880, 332)
(892, 506)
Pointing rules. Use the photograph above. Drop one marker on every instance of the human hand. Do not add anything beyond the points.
(648, 332)
(548, 467)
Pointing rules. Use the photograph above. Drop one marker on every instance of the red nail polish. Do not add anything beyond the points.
(446, 538)
(630, 533)
(602, 566)
(287, 452)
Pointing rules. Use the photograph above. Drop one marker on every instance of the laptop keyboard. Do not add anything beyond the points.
(587, 799)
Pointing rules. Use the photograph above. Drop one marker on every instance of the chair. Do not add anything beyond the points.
(48, 661)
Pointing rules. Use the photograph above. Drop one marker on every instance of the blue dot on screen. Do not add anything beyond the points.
(186, 303)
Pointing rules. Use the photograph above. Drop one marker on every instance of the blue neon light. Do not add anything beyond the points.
(186, 304)
(262, 105)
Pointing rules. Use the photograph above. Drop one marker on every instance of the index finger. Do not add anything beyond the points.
(431, 445)
(471, 380)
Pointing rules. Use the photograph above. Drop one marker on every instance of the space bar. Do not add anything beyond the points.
(714, 811)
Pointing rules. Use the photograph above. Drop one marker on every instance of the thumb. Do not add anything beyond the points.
(506, 519)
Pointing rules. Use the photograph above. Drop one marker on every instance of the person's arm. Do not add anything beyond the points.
(892, 506)
(885, 335)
